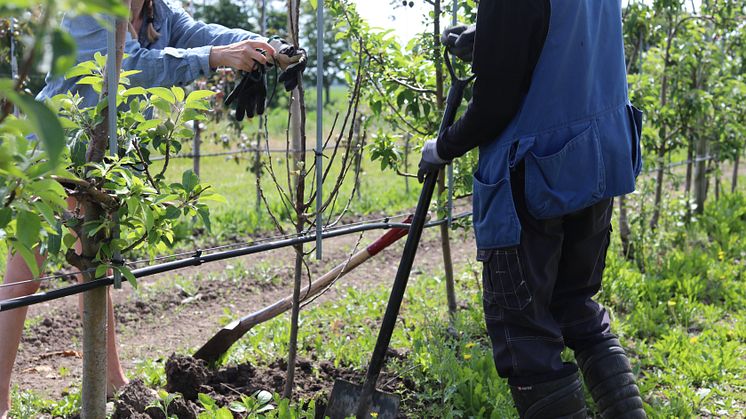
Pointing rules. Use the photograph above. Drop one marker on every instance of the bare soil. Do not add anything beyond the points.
(156, 321)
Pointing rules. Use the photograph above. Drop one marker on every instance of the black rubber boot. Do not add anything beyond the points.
(609, 378)
(558, 399)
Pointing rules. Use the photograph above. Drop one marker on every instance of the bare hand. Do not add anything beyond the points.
(241, 55)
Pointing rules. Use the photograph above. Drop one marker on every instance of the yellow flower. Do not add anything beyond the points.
(671, 303)
(374, 414)
(693, 339)
(721, 255)
(470, 345)
(467, 357)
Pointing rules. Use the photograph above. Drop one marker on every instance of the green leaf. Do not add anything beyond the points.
(204, 214)
(64, 52)
(127, 73)
(46, 125)
(46, 212)
(90, 80)
(5, 216)
(101, 270)
(314, 4)
(28, 257)
(54, 241)
(237, 407)
(178, 93)
(163, 93)
(263, 396)
(173, 213)
(83, 69)
(69, 240)
(128, 275)
(49, 191)
(28, 225)
(137, 90)
(214, 197)
(198, 94)
(190, 180)
(223, 413)
(206, 401)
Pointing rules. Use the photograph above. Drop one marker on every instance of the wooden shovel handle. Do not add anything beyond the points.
(318, 285)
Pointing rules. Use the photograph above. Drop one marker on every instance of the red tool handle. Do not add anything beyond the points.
(388, 239)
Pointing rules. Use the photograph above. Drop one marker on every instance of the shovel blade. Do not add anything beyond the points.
(346, 397)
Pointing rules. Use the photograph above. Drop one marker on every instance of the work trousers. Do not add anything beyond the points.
(538, 296)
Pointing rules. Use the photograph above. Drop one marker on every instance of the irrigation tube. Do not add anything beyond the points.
(199, 259)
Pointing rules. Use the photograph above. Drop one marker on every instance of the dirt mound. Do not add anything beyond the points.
(313, 380)
(186, 375)
(136, 401)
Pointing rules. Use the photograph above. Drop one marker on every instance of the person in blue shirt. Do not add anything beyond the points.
(169, 48)
(558, 139)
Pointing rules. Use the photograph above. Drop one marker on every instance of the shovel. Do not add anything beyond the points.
(227, 336)
(348, 399)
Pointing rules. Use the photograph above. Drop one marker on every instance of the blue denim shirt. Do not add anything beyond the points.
(179, 56)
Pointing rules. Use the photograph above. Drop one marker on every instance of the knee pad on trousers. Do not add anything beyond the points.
(609, 378)
(557, 399)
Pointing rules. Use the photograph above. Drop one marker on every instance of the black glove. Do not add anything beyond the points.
(292, 62)
(430, 161)
(250, 94)
(459, 40)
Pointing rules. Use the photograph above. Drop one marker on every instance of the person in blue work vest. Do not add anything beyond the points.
(169, 48)
(558, 139)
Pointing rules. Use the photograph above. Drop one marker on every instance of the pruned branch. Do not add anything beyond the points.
(86, 190)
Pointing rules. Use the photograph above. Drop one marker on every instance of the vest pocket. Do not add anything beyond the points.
(636, 121)
(568, 180)
(495, 220)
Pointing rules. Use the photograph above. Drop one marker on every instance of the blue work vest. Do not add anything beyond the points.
(576, 130)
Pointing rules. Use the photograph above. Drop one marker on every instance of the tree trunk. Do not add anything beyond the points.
(297, 129)
(700, 175)
(93, 392)
(407, 139)
(717, 181)
(359, 146)
(658, 188)
(445, 244)
(734, 177)
(327, 94)
(625, 232)
(440, 97)
(197, 145)
(688, 179)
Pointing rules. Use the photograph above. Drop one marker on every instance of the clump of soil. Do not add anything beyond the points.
(185, 375)
(137, 401)
(189, 377)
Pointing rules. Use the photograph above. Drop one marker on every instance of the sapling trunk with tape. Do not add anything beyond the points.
(95, 301)
(297, 133)
(445, 240)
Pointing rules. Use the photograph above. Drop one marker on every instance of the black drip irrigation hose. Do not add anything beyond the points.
(199, 259)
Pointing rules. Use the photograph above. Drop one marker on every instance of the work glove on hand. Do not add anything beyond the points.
(292, 62)
(459, 40)
(250, 94)
(430, 161)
